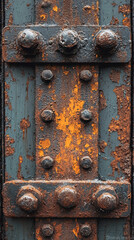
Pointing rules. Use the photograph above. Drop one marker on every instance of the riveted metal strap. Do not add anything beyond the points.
(49, 50)
(53, 192)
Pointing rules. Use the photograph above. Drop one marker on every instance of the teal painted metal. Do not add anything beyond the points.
(21, 162)
(20, 105)
(112, 12)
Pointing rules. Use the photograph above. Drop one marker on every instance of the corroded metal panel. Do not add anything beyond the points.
(67, 139)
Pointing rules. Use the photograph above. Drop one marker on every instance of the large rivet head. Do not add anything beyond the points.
(67, 197)
(106, 40)
(86, 75)
(85, 230)
(28, 39)
(47, 115)
(28, 202)
(47, 162)
(105, 198)
(86, 162)
(47, 75)
(86, 115)
(28, 198)
(47, 230)
(68, 39)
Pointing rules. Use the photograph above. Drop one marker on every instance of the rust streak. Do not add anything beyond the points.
(24, 124)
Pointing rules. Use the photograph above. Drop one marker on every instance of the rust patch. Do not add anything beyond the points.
(102, 100)
(115, 75)
(19, 176)
(122, 154)
(24, 124)
(102, 146)
(9, 150)
(125, 9)
(114, 21)
(10, 21)
(7, 101)
(30, 157)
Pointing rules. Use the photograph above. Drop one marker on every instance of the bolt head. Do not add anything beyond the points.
(106, 40)
(86, 162)
(28, 202)
(85, 75)
(67, 197)
(107, 202)
(86, 115)
(28, 39)
(47, 115)
(47, 230)
(68, 39)
(47, 162)
(85, 230)
(47, 75)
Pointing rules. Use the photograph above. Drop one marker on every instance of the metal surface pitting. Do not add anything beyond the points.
(55, 194)
(83, 39)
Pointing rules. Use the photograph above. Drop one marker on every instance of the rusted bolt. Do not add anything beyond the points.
(85, 75)
(47, 115)
(86, 162)
(28, 202)
(47, 230)
(106, 40)
(105, 198)
(28, 39)
(47, 75)
(86, 115)
(45, 4)
(47, 162)
(85, 230)
(68, 39)
(67, 197)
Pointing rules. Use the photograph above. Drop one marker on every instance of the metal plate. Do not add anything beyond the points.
(67, 138)
(50, 208)
(49, 48)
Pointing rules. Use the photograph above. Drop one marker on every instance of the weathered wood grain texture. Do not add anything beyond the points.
(115, 118)
(19, 116)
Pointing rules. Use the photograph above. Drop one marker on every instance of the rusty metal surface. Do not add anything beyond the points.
(67, 229)
(80, 194)
(49, 50)
(67, 138)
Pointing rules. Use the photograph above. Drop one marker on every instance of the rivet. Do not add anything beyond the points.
(106, 40)
(47, 162)
(47, 230)
(86, 115)
(47, 115)
(67, 197)
(28, 39)
(28, 202)
(47, 75)
(105, 198)
(86, 162)
(68, 39)
(85, 75)
(85, 230)
(45, 4)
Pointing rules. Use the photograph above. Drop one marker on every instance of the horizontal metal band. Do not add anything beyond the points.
(49, 50)
(70, 199)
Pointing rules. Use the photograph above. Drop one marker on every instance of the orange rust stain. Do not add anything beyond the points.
(122, 154)
(9, 150)
(30, 157)
(24, 125)
(44, 144)
(7, 101)
(76, 229)
(125, 9)
(102, 146)
(19, 176)
(66, 72)
(55, 9)
(42, 16)
(126, 21)
(38, 235)
(10, 21)
(102, 101)
(114, 21)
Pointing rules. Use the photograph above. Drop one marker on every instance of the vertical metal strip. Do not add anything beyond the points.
(66, 139)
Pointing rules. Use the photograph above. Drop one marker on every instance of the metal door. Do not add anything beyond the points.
(67, 118)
